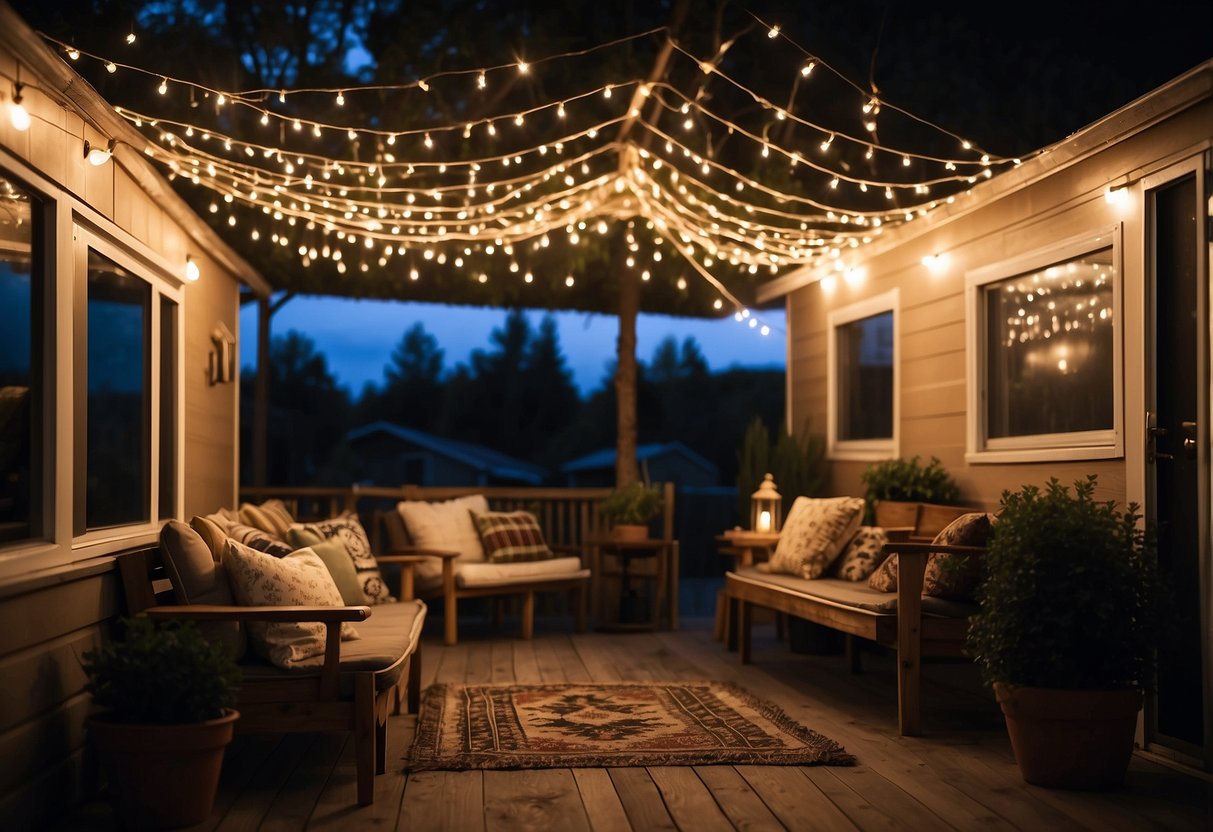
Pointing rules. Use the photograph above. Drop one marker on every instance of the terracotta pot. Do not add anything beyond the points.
(629, 533)
(162, 776)
(1071, 739)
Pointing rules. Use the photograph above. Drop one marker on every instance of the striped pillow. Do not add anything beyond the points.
(511, 536)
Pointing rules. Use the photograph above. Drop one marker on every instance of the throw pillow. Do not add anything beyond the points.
(212, 533)
(956, 576)
(511, 536)
(299, 579)
(862, 555)
(815, 533)
(339, 564)
(444, 525)
(279, 516)
(884, 579)
(198, 578)
(254, 538)
(251, 515)
(348, 531)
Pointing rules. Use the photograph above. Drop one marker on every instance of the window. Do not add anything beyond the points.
(862, 381)
(21, 334)
(118, 414)
(1046, 355)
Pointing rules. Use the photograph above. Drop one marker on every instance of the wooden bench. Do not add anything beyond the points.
(352, 691)
(915, 627)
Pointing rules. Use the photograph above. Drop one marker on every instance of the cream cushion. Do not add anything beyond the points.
(298, 579)
(815, 533)
(444, 525)
(490, 574)
(198, 577)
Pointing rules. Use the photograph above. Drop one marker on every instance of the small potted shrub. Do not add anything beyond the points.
(630, 509)
(1067, 630)
(167, 692)
(905, 481)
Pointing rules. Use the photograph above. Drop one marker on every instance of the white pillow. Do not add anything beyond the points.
(815, 533)
(445, 525)
(300, 578)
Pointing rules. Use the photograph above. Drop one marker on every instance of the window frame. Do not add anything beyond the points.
(865, 450)
(1048, 447)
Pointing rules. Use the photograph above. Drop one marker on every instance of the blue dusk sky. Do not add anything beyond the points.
(358, 336)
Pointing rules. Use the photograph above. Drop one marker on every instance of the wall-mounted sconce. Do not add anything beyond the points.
(192, 272)
(96, 156)
(854, 275)
(936, 262)
(221, 363)
(17, 114)
(1116, 196)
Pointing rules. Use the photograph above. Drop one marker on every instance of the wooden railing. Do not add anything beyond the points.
(568, 516)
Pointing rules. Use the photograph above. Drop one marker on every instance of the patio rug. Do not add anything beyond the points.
(463, 727)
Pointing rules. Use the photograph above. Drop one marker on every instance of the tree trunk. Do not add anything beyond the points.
(625, 372)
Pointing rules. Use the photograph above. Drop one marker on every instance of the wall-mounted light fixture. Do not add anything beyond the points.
(17, 114)
(192, 273)
(936, 262)
(97, 156)
(1116, 196)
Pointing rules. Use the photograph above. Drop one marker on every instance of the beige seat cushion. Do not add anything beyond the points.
(300, 578)
(850, 593)
(814, 534)
(501, 574)
(198, 578)
(444, 525)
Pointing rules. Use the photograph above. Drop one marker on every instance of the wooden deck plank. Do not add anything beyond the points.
(295, 802)
(796, 801)
(602, 804)
(536, 799)
(641, 799)
(737, 799)
(501, 664)
(444, 801)
(688, 800)
(479, 669)
(248, 810)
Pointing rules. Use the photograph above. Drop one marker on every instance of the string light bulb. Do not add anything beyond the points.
(163, 88)
(192, 272)
(97, 156)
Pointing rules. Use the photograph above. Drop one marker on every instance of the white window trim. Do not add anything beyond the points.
(1080, 445)
(865, 450)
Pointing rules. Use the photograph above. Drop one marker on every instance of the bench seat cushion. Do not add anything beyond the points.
(851, 594)
(392, 631)
(503, 574)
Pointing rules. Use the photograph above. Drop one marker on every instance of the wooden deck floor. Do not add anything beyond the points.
(960, 776)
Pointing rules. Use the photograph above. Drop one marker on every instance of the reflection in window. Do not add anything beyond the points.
(865, 378)
(119, 447)
(168, 408)
(20, 339)
(1049, 349)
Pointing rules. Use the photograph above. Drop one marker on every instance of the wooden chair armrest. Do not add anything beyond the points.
(445, 554)
(571, 550)
(898, 533)
(268, 614)
(402, 558)
(896, 547)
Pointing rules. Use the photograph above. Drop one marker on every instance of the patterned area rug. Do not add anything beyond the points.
(464, 727)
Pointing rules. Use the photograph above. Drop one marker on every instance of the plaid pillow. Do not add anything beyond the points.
(511, 536)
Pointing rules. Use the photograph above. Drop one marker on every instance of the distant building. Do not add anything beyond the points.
(659, 462)
(389, 454)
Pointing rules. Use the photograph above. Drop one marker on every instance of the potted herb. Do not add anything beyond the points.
(902, 480)
(167, 692)
(1067, 630)
(630, 509)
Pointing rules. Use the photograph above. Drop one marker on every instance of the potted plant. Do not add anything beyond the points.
(167, 692)
(1067, 630)
(904, 481)
(630, 509)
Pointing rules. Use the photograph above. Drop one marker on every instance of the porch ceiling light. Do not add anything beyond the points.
(17, 114)
(97, 156)
(192, 272)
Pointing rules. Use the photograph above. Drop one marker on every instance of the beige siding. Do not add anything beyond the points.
(932, 346)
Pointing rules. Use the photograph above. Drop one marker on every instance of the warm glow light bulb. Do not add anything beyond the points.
(163, 88)
(18, 116)
(192, 272)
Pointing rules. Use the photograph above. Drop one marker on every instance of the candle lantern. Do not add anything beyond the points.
(765, 514)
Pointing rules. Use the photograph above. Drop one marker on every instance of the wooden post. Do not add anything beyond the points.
(626, 471)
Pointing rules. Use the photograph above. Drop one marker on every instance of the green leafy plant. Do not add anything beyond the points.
(1070, 599)
(634, 505)
(908, 480)
(796, 463)
(162, 674)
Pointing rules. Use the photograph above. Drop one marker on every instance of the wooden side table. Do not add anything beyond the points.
(747, 548)
(665, 577)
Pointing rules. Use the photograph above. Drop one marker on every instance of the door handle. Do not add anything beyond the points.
(1189, 443)
(1153, 431)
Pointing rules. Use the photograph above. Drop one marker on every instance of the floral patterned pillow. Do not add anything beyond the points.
(300, 578)
(956, 576)
(346, 529)
(814, 534)
(884, 579)
(863, 554)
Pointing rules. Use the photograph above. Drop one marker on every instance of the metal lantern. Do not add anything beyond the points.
(765, 514)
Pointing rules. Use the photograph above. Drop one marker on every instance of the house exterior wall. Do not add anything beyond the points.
(60, 592)
(933, 346)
